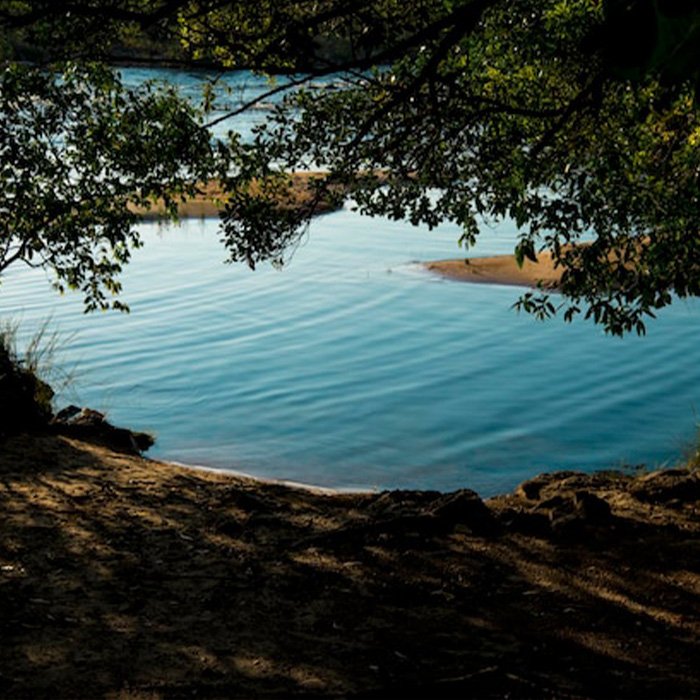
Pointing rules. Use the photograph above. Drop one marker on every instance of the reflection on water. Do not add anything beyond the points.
(353, 367)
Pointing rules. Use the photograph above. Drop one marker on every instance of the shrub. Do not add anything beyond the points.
(25, 399)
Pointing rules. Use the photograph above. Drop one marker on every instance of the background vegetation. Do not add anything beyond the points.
(576, 118)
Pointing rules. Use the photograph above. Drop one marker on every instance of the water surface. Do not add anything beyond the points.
(353, 367)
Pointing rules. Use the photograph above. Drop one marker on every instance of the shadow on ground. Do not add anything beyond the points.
(127, 578)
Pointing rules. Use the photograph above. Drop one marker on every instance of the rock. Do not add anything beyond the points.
(25, 400)
(568, 516)
(530, 522)
(593, 509)
(89, 416)
(401, 502)
(570, 528)
(90, 425)
(556, 504)
(667, 485)
(66, 414)
(464, 507)
(429, 513)
(532, 488)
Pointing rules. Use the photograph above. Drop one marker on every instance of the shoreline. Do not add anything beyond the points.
(499, 269)
(494, 269)
(138, 578)
(264, 480)
(211, 200)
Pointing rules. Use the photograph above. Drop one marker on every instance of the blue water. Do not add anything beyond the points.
(232, 90)
(353, 367)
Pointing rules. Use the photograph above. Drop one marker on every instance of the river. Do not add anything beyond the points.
(355, 368)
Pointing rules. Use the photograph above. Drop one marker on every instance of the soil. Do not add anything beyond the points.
(122, 577)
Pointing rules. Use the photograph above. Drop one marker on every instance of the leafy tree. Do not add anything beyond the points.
(517, 116)
(78, 151)
(577, 118)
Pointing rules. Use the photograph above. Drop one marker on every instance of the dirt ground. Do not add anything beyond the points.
(122, 577)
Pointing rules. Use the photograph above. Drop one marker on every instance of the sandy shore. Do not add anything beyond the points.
(211, 200)
(497, 269)
(123, 577)
(500, 269)
(503, 269)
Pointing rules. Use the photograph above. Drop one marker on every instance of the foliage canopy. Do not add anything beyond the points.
(576, 118)
(76, 150)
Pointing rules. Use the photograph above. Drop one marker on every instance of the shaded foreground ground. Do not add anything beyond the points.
(128, 578)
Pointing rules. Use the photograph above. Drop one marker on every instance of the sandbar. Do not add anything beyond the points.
(211, 199)
(500, 269)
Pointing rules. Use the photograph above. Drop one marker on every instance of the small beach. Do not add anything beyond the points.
(500, 269)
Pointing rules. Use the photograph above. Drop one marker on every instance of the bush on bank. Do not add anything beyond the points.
(25, 400)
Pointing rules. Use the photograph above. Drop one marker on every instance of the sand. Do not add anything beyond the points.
(500, 269)
(122, 577)
(211, 199)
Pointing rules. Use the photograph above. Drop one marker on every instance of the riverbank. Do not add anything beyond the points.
(495, 269)
(128, 578)
(500, 269)
(211, 199)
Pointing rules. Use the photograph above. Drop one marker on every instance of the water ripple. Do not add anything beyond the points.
(353, 367)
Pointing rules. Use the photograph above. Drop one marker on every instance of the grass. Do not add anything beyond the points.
(693, 452)
(39, 355)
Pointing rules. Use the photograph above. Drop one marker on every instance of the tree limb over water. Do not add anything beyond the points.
(577, 120)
